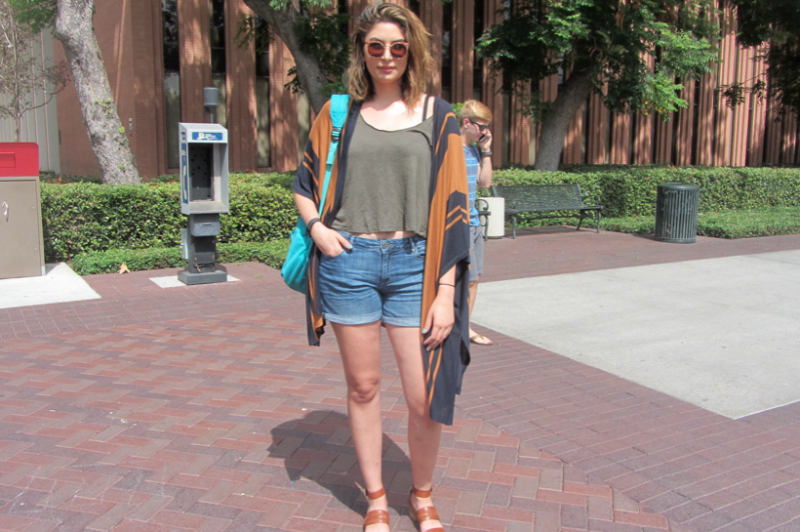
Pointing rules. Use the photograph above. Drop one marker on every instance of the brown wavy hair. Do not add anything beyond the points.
(420, 62)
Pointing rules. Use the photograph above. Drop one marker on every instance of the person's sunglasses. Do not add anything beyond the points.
(398, 49)
(481, 127)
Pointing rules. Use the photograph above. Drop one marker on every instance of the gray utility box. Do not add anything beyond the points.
(21, 243)
(204, 168)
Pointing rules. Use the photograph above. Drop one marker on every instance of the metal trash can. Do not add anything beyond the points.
(676, 213)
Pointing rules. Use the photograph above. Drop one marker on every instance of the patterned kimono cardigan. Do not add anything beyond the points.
(447, 240)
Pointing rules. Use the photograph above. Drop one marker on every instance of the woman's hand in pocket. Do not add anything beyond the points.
(329, 241)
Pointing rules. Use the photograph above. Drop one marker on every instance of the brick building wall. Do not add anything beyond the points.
(130, 36)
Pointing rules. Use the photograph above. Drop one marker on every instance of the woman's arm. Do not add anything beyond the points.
(442, 314)
(329, 241)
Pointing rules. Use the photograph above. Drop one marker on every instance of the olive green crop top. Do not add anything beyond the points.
(387, 180)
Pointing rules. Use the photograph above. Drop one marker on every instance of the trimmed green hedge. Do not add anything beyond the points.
(88, 218)
(84, 218)
(631, 190)
(270, 253)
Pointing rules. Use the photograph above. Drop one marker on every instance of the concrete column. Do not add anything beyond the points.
(283, 109)
(431, 16)
(195, 46)
(520, 133)
(758, 121)
(573, 142)
(663, 134)
(355, 7)
(621, 139)
(149, 121)
(492, 97)
(705, 120)
(727, 75)
(643, 135)
(241, 85)
(597, 131)
(685, 118)
(741, 119)
(789, 139)
(463, 43)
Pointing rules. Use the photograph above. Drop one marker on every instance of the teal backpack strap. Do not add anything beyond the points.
(338, 112)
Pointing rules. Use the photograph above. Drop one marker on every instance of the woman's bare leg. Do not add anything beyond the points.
(359, 346)
(423, 432)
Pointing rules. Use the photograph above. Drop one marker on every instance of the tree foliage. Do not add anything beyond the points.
(26, 81)
(602, 44)
(317, 38)
(321, 34)
(611, 39)
(39, 14)
(775, 23)
(72, 24)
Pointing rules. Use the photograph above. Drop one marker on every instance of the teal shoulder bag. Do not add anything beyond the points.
(301, 247)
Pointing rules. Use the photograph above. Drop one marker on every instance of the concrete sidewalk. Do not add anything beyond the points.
(201, 408)
(722, 334)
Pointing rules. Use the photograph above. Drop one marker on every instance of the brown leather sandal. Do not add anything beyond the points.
(427, 513)
(376, 517)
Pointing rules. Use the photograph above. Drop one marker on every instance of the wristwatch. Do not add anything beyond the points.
(486, 154)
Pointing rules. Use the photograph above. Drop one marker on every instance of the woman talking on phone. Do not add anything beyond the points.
(392, 245)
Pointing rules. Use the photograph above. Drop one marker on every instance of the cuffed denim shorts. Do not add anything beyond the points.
(376, 280)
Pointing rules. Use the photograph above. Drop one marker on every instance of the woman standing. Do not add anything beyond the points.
(391, 248)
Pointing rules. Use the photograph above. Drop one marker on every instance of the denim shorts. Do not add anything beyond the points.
(376, 280)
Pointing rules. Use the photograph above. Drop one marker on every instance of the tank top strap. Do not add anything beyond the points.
(425, 108)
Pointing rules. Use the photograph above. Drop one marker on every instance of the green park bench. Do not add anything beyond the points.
(542, 199)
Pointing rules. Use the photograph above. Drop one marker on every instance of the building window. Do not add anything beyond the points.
(447, 51)
(477, 64)
(172, 78)
(218, 58)
(262, 92)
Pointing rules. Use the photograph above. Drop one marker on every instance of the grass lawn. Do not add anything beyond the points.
(728, 224)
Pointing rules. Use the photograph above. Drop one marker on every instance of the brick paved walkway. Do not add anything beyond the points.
(203, 409)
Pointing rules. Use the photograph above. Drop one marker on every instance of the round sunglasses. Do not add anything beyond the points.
(398, 49)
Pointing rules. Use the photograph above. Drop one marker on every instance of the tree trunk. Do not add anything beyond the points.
(109, 140)
(554, 128)
(283, 23)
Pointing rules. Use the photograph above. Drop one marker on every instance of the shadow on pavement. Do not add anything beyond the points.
(318, 453)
